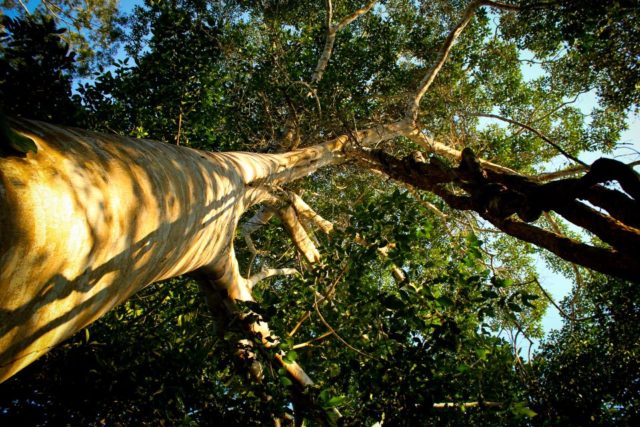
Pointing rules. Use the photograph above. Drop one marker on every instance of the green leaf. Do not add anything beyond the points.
(445, 301)
(285, 381)
(521, 409)
(12, 141)
(335, 401)
(291, 356)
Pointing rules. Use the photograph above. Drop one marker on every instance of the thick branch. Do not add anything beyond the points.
(298, 234)
(599, 259)
(619, 205)
(308, 213)
(449, 152)
(496, 196)
(606, 228)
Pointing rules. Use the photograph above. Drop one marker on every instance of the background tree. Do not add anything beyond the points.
(94, 28)
(36, 70)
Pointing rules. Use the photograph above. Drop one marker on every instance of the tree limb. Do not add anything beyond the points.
(441, 58)
(535, 132)
(305, 211)
(447, 405)
(332, 31)
(270, 272)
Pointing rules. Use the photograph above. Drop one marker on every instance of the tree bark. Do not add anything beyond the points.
(90, 219)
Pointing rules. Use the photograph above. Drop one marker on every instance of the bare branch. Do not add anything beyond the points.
(563, 313)
(446, 405)
(303, 319)
(449, 152)
(311, 341)
(24, 6)
(497, 196)
(355, 15)
(298, 234)
(342, 340)
(270, 272)
(308, 213)
(535, 132)
(295, 370)
(564, 173)
(557, 230)
(445, 49)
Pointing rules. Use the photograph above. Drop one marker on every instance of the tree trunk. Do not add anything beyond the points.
(91, 219)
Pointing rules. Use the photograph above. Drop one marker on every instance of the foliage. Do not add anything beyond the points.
(585, 44)
(588, 372)
(236, 75)
(35, 71)
(94, 27)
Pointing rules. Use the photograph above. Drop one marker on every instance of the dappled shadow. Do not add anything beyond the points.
(188, 201)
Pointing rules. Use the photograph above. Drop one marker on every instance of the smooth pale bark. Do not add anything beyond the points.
(90, 219)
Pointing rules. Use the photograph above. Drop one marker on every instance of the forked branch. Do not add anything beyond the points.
(509, 201)
(330, 38)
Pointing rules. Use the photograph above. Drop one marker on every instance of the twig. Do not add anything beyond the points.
(342, 340)
(308, 343)
(303, 319)
(535, 132)
(563, 313)
(24, 6)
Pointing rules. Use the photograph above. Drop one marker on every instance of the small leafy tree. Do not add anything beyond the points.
(36, 70)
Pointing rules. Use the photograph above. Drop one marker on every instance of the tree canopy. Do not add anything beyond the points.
(425, 302)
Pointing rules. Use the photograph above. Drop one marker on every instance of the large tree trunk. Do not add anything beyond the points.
(90, 219)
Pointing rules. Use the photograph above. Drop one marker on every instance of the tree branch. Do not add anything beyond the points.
(298, 234)
(497, 196)
(24, 6)
(355, 15)
(443, 55)
(333, 331)
(447, 405)
(311, 341)
(270, 272)
(535, 132)
(305, 211)
(332, 31)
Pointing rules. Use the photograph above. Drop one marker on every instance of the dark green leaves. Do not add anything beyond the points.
(13, 143)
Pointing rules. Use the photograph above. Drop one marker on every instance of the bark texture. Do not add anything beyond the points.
(90, 219)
